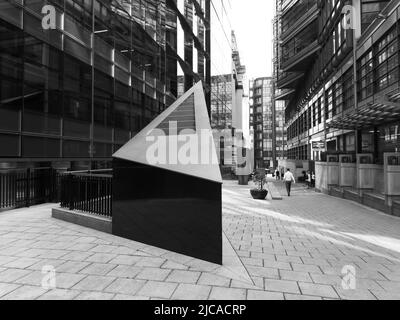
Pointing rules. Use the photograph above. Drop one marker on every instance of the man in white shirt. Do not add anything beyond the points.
(289, 179)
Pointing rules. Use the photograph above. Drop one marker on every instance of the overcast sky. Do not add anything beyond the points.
(252, 22)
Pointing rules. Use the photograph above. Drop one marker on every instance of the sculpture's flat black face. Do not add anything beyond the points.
(168, 210)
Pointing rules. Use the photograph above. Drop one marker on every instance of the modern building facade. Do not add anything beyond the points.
(222, 101)
(227, 109)
(227, 97)
(279, 106)
(279, 141)
(192, 48)
(339, 75)
(73, 95)
(263, 122)
(240, 77)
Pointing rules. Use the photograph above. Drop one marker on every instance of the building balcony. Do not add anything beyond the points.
(289, 80)
(303, 20)
(285, 95)
(302, 59)
(328, 17)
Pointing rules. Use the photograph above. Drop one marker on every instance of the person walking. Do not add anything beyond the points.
(289, 179)
(277, 174)
(313, 180)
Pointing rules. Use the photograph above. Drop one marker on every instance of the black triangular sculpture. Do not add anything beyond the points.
(167, 198)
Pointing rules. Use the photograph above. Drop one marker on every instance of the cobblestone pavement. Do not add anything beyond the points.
(296, 248)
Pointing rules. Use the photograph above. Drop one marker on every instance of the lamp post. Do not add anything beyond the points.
(358, 138)
(352, 21)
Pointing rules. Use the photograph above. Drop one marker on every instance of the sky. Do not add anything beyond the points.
(252, 23)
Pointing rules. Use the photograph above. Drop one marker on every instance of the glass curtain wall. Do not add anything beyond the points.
(85, 88)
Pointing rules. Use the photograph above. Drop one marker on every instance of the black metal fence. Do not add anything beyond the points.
(87, 192)
(26, 187)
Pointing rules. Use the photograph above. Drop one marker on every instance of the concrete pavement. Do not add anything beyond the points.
(309, 246)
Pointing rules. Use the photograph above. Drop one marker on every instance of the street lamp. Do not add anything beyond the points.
(352, 20)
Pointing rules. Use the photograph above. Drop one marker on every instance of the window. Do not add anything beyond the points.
(11, 77)
(320, 110)
(40, 147)
(76, 149)
(302, 40)
(387, 61)
(296, 12)
(379, 68)
(9, 145)
(370, 10)
(348, 89)
(350, 143)
(329, 104)
(366, 76)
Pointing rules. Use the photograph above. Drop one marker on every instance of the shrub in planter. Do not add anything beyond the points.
(259, 193)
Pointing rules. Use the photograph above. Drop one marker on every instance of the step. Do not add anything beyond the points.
(103, 224)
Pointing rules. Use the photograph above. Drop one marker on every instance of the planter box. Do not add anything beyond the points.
(351, 195)
(336, 192)
(259, 194)
(396, 208)
(243, 180)
(375, 202)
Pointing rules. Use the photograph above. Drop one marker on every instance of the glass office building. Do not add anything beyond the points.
(262, 121)
(222, 99)
(73, 95)
(227, 107)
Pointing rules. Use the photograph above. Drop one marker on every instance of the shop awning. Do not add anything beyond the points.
(384, 110)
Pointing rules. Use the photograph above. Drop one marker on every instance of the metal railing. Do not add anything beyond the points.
(89, 192)
(26, 187)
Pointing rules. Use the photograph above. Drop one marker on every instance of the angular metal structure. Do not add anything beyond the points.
(167, 183)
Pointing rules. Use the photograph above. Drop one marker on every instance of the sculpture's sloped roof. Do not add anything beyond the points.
(180, 140)
(184, 116)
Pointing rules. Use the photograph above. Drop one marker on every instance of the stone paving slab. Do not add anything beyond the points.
(291, 249)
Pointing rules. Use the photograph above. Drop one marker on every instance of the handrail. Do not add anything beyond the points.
(88, 172)
(87, 193)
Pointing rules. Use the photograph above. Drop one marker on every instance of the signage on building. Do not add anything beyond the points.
(318, 145)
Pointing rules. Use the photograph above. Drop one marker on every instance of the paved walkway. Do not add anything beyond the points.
(296, 248)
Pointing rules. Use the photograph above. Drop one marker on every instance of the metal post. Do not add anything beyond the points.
(69, 192)
(91, 144)
(28, 186)
(355, 77)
